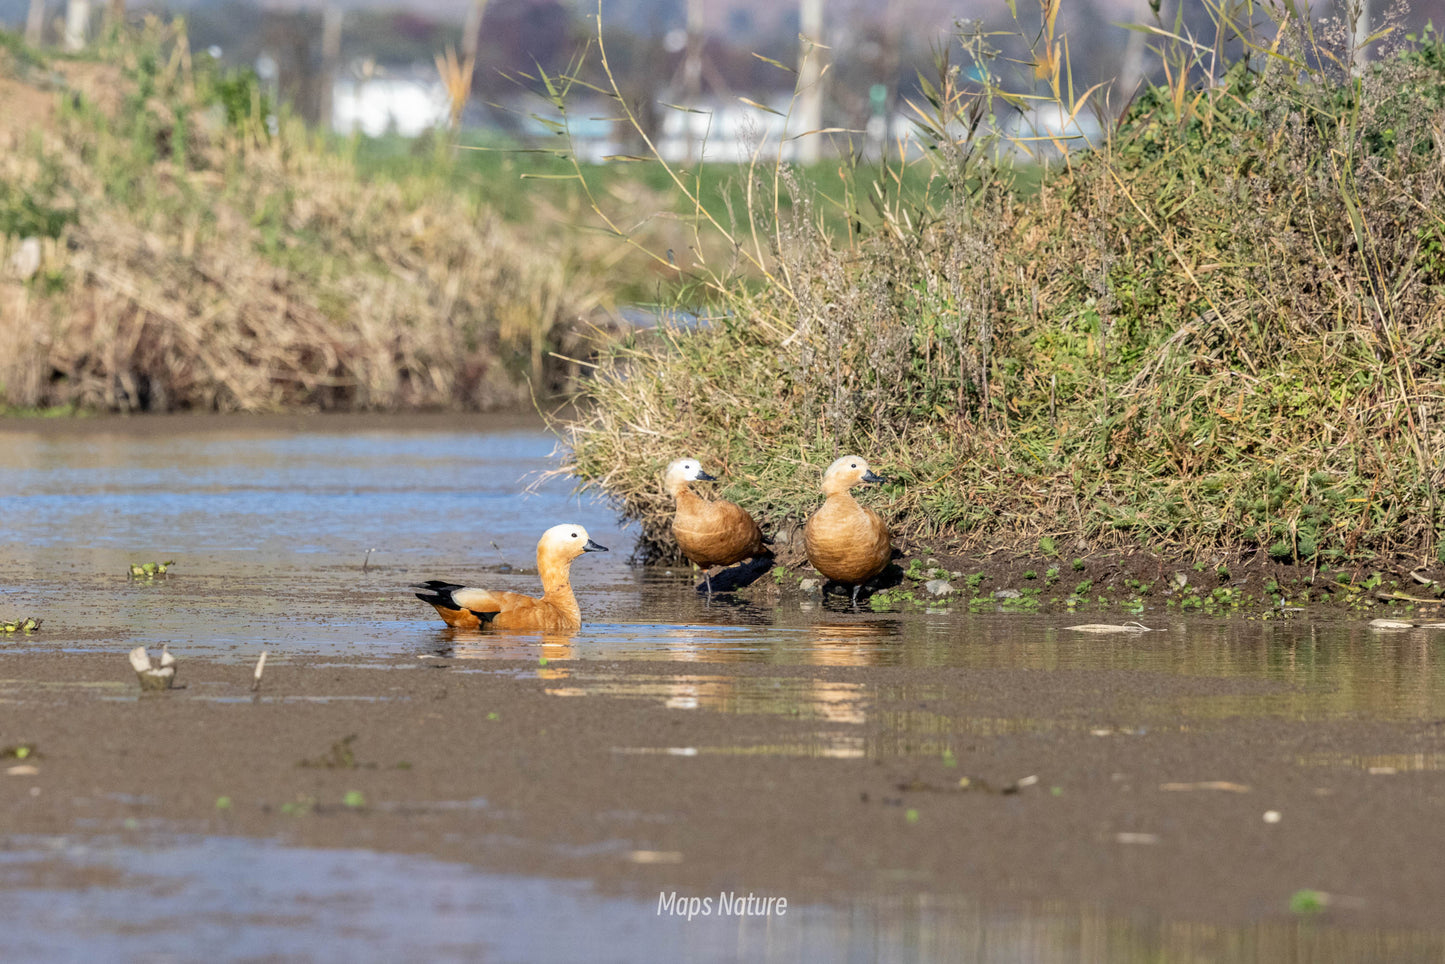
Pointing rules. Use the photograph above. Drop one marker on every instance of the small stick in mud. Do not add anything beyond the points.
(260, 668)
(366, 563)
(157, 676)
(505, 566)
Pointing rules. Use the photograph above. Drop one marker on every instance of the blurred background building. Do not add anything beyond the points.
(370, 65)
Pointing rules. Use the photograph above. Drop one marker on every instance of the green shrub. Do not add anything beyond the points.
(1220, 329)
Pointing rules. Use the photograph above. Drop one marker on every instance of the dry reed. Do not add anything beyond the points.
(206, 261)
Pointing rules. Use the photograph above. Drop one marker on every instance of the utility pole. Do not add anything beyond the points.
(1131, 68)
(330, 61)
(472, 30)
(35, 23)
(77, 23)
(809, 112)
(692, 73)
(1358, 12)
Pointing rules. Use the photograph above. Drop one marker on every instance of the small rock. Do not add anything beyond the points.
(1007, 594)
(810, 585)
(939, 587)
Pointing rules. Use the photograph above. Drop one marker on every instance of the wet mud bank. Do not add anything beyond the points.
(1105, 788)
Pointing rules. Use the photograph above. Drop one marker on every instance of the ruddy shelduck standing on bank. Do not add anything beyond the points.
(466, 608)
(710, 533)
(847, 542)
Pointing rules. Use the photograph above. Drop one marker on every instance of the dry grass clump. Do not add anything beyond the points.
(1220, 331)
(197, 259)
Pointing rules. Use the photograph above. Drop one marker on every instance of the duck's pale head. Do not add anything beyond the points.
(847, 472)
(565, 543)
(684, 471)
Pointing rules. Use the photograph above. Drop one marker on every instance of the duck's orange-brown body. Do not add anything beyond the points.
(847, 542)
(464, 607)
(710, 532)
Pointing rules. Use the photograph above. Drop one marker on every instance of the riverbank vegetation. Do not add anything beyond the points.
(171, 240)
(1218, 332)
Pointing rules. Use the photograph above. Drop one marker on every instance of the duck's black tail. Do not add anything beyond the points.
(439, 593)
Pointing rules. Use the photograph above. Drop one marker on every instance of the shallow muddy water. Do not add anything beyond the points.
(916, 785)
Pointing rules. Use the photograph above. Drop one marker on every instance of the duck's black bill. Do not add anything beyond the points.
(869, 476)
(593, 547)
(704, 477)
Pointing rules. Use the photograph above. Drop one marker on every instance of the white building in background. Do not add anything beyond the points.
(377, 105)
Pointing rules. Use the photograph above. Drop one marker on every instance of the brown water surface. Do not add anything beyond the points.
(916, 786)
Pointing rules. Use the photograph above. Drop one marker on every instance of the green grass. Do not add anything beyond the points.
(526, 186)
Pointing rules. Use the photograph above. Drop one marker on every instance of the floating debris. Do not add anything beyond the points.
(1401, 597)
(655, 857)
(153, 676)
(1207, 785)
(1135, 627)
(1391, 624)
(27, 625)
(339, 757)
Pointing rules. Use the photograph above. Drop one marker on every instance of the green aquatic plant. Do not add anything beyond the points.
(302, 806)
(149, 570)
(27, 624)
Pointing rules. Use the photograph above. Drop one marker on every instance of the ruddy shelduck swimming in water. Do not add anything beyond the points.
(847, 542)
(463, 607)
(710, 533)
